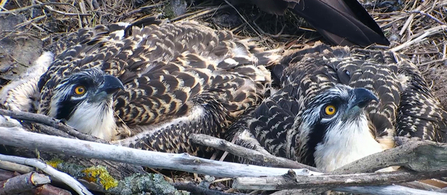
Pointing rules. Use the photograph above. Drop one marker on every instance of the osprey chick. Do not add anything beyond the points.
(337, 105)
(153, 83)
(335, 128)
(84, 101)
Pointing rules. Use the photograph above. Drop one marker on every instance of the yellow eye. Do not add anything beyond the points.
(330, 110)
(79, 90)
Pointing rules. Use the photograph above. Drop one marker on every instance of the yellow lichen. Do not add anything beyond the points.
(101, 175)
(54, 162)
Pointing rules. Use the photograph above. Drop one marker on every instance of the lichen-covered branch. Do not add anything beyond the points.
(97, 178)
(183, 162)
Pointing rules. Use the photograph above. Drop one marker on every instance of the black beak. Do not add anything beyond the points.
(362, 97)
(111, 85)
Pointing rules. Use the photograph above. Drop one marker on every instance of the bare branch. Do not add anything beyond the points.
(386, 190)
(412, 155)
(15, 167)
(46, 120)
(373, 190)
(246, 153)
(291, 181)
(35, 186)
(183, 162)
(49, 189)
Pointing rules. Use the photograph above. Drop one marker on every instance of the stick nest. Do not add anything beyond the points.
(415, 28)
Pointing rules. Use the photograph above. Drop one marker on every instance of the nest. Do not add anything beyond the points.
(417, 29)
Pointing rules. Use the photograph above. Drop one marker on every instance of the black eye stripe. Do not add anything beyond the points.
(67, 100)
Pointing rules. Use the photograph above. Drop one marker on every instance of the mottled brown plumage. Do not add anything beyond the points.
(406, 106)
(179, 78)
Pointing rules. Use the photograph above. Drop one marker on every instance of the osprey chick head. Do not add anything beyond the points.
(84, 101)
(336, 128)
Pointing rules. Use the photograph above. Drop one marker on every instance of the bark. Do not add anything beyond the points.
(418, 156)
(23, 183)
(292, 181)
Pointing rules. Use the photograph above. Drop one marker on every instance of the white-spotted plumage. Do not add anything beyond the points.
(178, 78)
(293, 122)
(149, 130)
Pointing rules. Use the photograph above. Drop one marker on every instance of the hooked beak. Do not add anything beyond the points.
(110, 85)
(360, 98)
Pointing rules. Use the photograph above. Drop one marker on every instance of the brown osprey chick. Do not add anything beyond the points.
(156, 82)
(336, 105)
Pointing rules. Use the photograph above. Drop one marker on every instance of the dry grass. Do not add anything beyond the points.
(419, 30)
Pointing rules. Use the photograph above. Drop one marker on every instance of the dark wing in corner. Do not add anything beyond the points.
(342, 22)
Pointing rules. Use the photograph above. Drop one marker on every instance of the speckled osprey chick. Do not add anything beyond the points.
(336, 105)
(158, 82)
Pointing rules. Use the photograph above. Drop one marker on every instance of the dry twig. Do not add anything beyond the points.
(426, 33)
(15, 167)
(194, 189)
(251, 155)
(46, 5)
